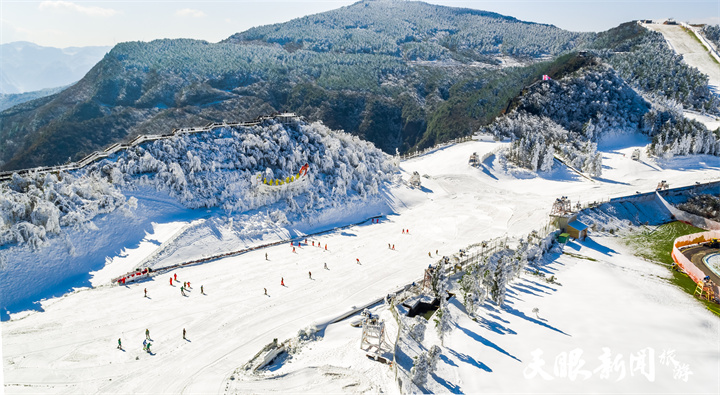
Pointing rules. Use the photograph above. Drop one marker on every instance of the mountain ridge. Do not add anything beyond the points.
(384, 96)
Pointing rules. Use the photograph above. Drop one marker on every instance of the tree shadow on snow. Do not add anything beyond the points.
(609, 181)
(447, 360)
(518, 288)
(522, 315)
(542, 285)
(530, 289)
(486, 342)
(452, 388)
(495, 326)
(511, 294)
(470, 360)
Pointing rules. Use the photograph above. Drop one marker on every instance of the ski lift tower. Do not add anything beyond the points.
(662, 185)
(415, 180)
(561, 207)
(474, 160)
(428, 279)
(373, 335)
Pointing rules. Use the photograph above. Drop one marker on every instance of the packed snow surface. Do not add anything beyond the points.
(608, 305)
(692, 51)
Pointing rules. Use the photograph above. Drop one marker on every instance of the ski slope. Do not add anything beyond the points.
(692, 51)
(70, 346)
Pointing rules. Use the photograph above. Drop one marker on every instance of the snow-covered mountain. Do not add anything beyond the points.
(27, 67)
(380, 70)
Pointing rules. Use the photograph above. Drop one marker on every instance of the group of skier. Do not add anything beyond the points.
(186, 285)
(299, 244)
(147, 342)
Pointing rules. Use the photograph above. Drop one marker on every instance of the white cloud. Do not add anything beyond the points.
(70, 6)
(190, 12)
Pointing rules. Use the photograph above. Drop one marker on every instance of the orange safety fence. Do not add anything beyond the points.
(682, 261)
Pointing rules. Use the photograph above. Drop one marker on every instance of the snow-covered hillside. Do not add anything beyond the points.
(693, 52)
(55, 228)
(71, 345)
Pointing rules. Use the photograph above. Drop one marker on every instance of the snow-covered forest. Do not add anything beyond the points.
(209, 169)
(426, 32)
(570, 116)
(647, 63)
(712, 33)
(704, 205)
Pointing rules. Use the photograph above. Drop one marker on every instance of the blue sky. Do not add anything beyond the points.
(80, 23)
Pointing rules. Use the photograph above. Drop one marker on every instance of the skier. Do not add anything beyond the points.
(325, 247)
(388, 246)
(147, 348)
(305, 241)
(313, 243)
(393, 247)
(145, 345)
(201, 290)
(403, 231)
(325, 266)
(265, 291)
(182, 291)
(358, 260)
(184, 284)
(184, 334)
(282, 281)
(310, 275)
(170, 280)
(188, 286)
(119, 344)
(146, 292)
(175, 276)
(147, 333)
(436, 252)
(429, 254)
(266, 256)
(293, 250)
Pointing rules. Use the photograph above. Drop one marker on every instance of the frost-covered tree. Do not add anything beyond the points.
(424, 365)
(569, 116)
(442, 319)
(712, 33)
(417, 328)
(215, 168)
(497, 274)
(473, 293)
(420, 370)
(432, 357)
(650, 65)
(36, 206)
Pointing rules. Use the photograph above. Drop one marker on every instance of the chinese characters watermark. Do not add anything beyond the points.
(572, 366)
